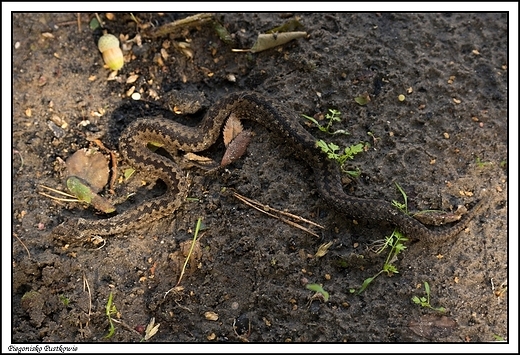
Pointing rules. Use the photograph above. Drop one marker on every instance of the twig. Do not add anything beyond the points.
(28, 253)
(265, 209)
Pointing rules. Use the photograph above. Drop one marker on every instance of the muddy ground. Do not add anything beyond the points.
(445, 145)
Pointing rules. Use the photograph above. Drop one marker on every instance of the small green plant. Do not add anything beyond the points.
(482, 164)
(394, 242)
(331, 117)
(111, 310)
(333, 152)
(319, 289)
(425, 301)
(402, 206)
(64, 300)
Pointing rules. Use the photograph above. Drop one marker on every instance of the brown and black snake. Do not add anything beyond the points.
(174, 137)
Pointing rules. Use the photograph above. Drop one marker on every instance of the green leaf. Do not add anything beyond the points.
(319, 289)
(365, 284)
(362, 99)
(391, 269)
(351, 151)
(94, 24)
(79, 189)
(426, 287)
(399, 248)
(312, 119)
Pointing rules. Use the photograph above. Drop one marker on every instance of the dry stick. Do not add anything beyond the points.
(285, 213)
(264, 209)
(28, 253)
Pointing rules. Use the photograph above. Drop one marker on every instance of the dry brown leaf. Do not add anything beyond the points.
(236, 148)
(270, 40)
(232, 129)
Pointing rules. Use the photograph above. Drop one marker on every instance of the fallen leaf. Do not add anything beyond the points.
(270, 40)
(232, 129)
(363, 99)
(236, 148)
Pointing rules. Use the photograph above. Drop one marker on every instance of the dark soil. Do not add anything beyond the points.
(445, 145)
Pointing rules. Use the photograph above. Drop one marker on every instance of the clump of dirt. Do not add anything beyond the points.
(444, 144)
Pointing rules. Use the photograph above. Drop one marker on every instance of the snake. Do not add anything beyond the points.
(175, 137)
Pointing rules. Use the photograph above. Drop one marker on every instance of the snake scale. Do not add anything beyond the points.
(173, 137)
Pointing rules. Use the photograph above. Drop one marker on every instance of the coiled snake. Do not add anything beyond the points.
(173, 136)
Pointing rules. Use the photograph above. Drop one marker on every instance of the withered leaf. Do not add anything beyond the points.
(232, 129)
(236, 148)
(267, 41)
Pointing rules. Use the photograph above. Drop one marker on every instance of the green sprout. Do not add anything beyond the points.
(394, 242)
(482, 164)
(425, 301)
(402, 206)
(319, 289)
(333, 152)
(111, 310)
(331, 117)
(65, 300)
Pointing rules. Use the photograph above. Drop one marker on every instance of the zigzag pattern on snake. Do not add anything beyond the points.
(173, 136)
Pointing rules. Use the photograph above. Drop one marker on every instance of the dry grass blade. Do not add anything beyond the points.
(27, 250)
(266, 210)
(86, 286)
(195, 235)
(71, 199)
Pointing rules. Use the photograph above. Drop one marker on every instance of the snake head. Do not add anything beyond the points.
(71, 232)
